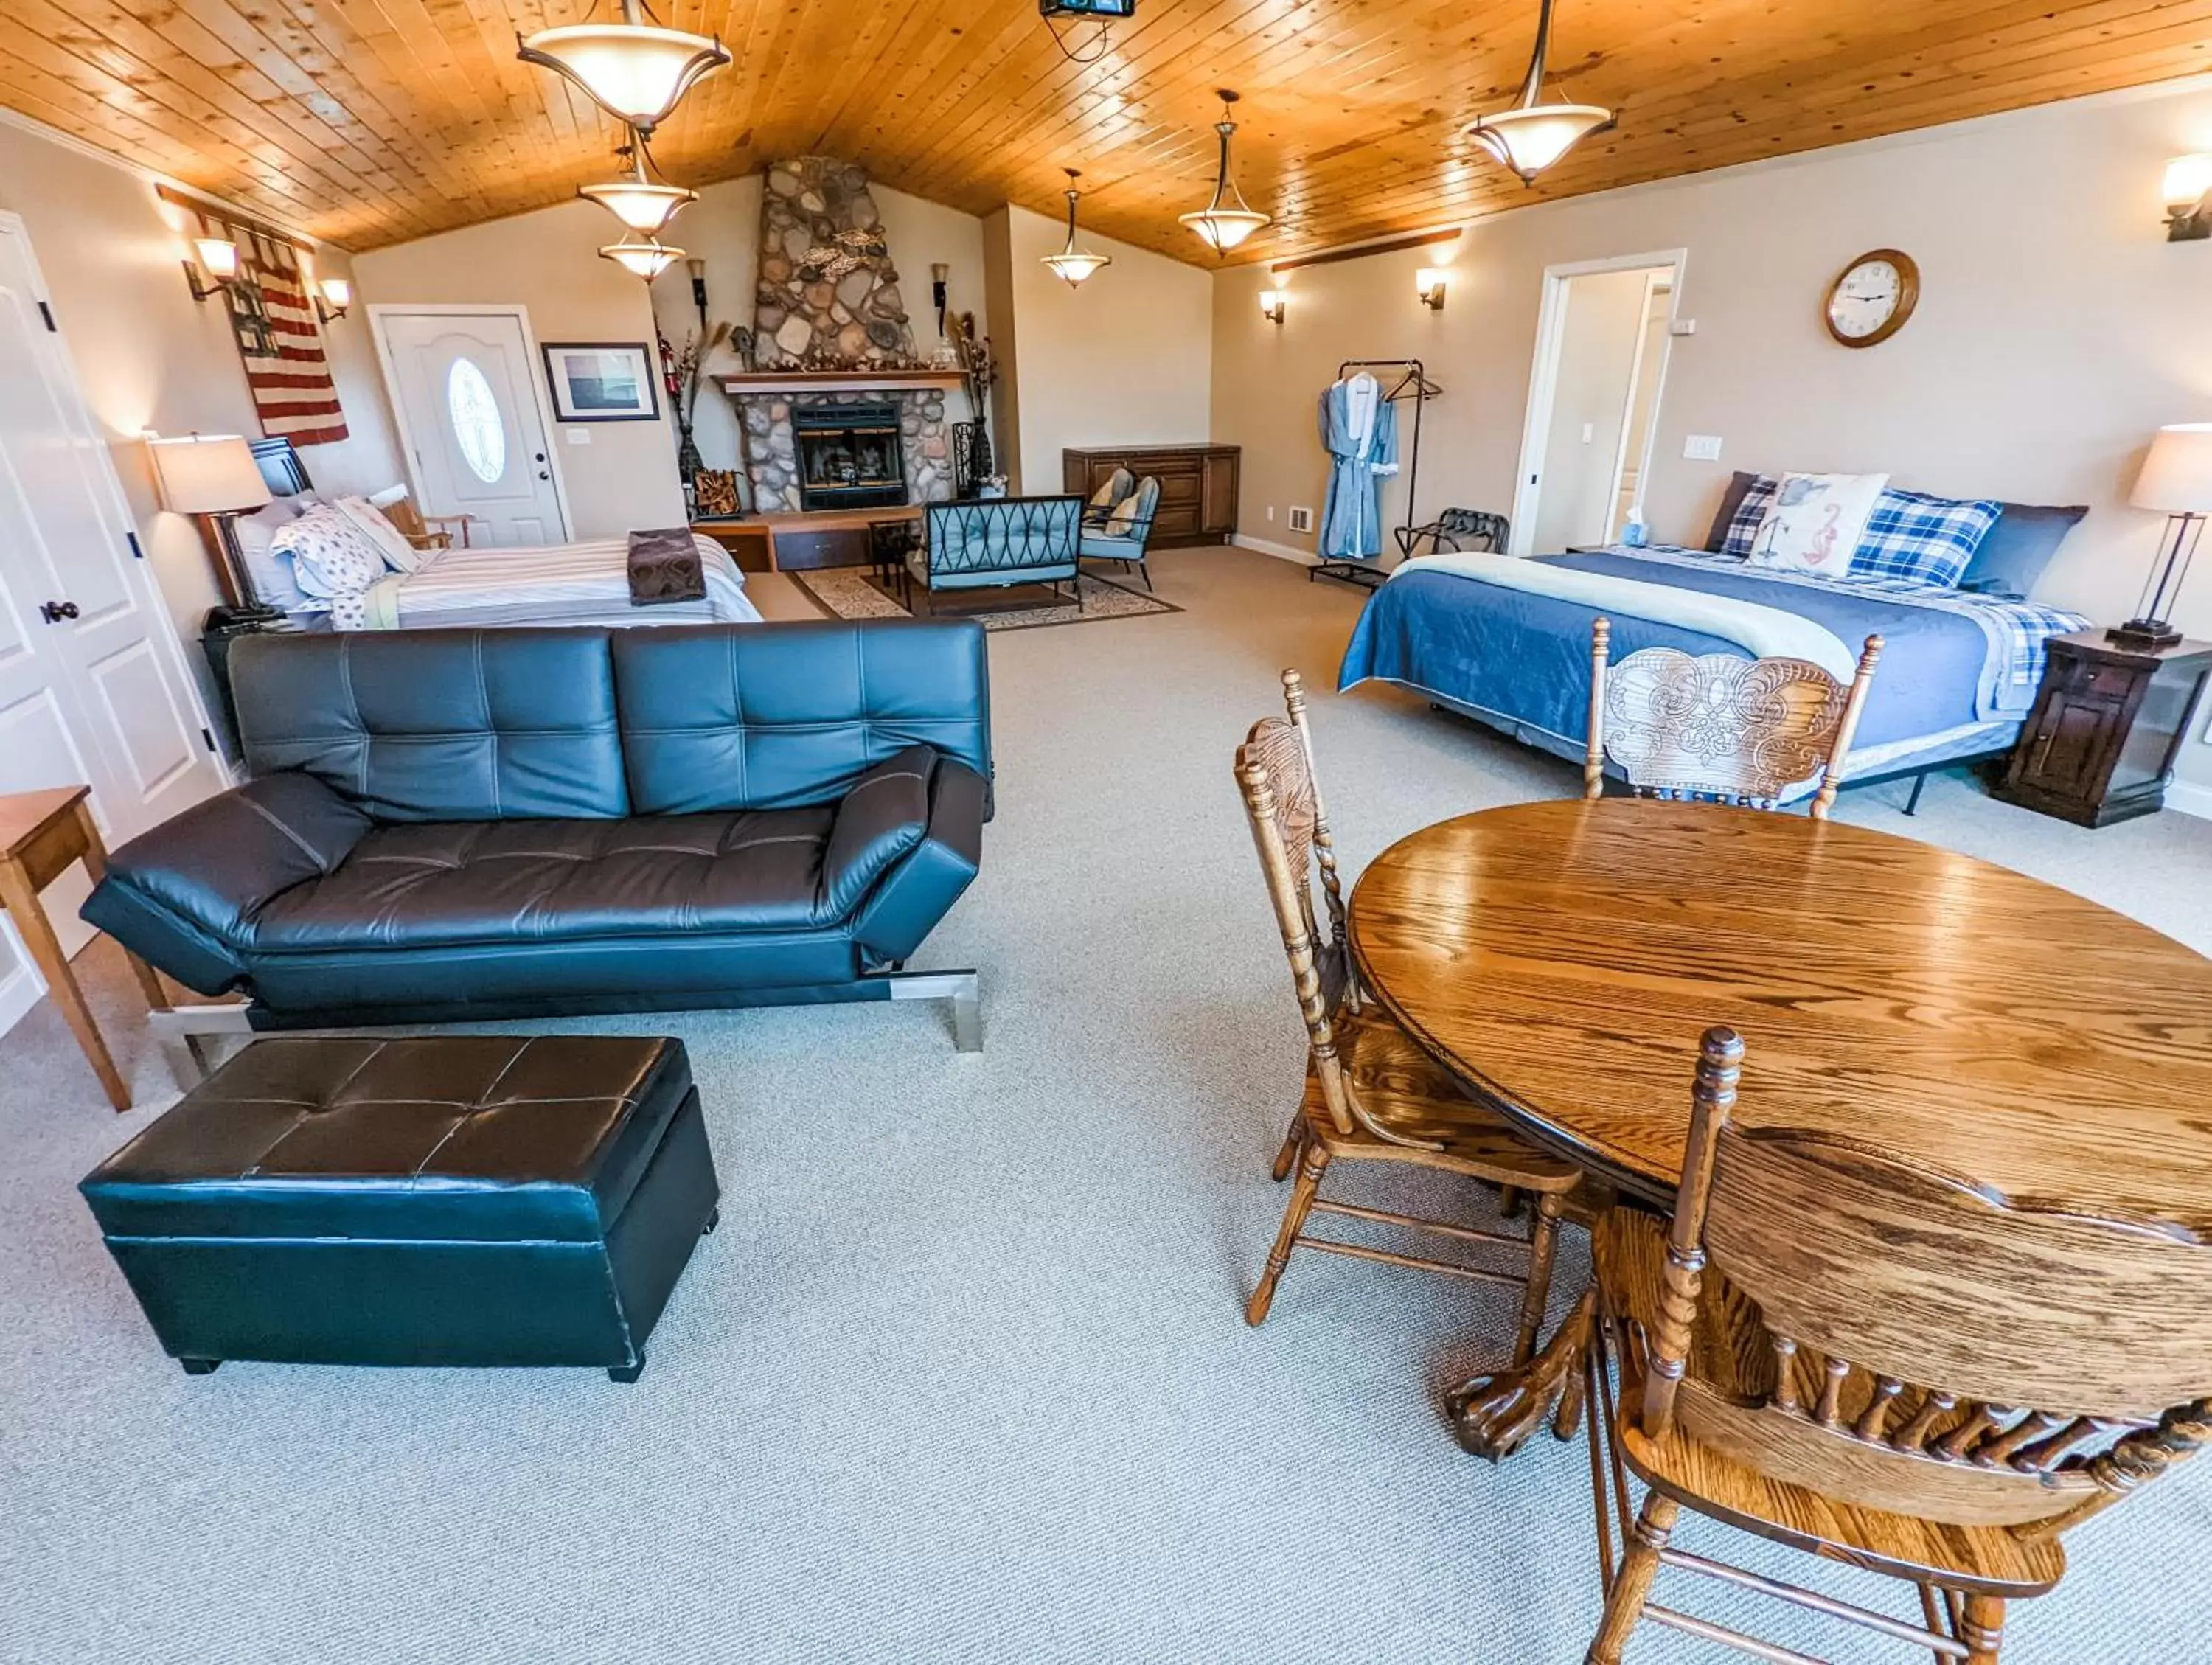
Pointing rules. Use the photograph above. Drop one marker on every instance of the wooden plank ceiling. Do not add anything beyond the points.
(369, 122)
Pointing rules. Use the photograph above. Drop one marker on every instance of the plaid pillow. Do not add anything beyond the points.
(1743, 529)
(1922, 539)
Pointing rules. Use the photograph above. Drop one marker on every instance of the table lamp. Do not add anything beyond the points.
(215, 475)
(2177, 481)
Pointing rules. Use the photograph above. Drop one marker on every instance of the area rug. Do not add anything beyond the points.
(850, 592)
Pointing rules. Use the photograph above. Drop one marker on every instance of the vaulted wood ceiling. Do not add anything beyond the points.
(370, 122)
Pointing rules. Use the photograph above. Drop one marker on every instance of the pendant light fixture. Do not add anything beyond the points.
(1532, 135)
(1073, 264)
(646, 257)
(637, 202)
(1228, 219)
(635, 70)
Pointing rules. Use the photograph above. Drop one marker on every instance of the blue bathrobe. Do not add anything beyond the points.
(1359, 430)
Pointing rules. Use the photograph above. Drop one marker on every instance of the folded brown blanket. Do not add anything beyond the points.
(664, 566)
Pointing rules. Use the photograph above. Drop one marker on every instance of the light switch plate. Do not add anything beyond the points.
(578, 435)
(1683, 326)
(1702, 447)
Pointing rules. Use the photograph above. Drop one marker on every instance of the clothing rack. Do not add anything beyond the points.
(1414, 384)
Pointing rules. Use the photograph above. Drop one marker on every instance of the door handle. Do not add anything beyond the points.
(55, 611)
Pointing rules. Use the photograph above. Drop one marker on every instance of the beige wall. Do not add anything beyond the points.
(1126, 358)
(149, 356)
(2057, 329)
(723, 229)
(1005, 344)
(622, 476)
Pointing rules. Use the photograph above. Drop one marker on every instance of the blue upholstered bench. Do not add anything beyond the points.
(997, 542)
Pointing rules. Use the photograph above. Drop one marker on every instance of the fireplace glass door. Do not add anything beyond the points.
(850, 456)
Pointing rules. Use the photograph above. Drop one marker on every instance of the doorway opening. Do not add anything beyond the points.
(1602, 342)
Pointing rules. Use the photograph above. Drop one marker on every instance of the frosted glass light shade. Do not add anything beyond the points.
(646, 259)
(2177, 475)
(338, 291)
(634, 72)
(1224, 227)
(219, 255)
(1073, 265)
(2187, 179)
(208, 474)
(1529, 140)
(639, 205)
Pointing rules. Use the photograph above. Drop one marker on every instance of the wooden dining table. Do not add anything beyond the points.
(1561, 959)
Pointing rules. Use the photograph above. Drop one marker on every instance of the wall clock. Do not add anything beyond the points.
(1871, 301)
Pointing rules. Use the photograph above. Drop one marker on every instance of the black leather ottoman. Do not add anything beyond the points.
(452, 1199)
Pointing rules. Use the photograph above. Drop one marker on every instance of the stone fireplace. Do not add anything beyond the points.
(837, 388)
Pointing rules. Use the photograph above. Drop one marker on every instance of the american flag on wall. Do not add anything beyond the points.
(293, 392)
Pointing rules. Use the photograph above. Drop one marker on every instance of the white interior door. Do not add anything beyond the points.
(93, 684)
(467, 387)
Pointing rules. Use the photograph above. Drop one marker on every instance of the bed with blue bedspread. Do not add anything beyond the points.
(1510, 647)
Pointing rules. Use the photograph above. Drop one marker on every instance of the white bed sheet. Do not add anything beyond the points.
(582, 583)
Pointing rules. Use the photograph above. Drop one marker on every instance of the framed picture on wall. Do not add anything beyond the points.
(602, 381)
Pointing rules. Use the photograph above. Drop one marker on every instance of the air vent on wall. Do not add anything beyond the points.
(1301, 519)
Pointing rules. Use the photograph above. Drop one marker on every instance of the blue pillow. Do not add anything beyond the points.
(1923, 539)
(2012, 558)
(1750, 514)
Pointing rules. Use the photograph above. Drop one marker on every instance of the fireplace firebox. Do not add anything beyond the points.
(850, 456)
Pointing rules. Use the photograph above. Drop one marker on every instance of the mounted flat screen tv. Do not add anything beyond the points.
(1086, 7)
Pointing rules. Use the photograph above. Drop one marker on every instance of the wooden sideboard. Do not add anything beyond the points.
(1197, 486)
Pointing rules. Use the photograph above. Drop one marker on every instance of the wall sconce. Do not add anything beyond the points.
(697, 267)
(1429, 284)
(1273, 304)
(218, 258)
(2189, 198)
(332, 296)
(940, 275)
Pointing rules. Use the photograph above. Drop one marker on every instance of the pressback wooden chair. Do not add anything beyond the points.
(1718, 728)
(1371, 1094)
(1884, 1365)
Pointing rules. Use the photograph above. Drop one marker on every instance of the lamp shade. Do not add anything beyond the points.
(208, 474)
(2176, 476)
(636, 73)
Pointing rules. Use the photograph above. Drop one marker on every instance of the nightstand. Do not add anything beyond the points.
(2108, 721)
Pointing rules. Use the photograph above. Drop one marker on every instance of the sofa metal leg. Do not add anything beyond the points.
(200, 1366)
(626, 1374)
(183, 1033)
(962, 988)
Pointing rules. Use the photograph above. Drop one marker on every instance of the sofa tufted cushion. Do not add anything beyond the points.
(460, 883)
(438, 725)
(484, 1137)
(776, 715)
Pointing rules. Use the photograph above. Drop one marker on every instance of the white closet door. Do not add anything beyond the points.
(466, 388)
(93, 686)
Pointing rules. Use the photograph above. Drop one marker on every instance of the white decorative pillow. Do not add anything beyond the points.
(399, 555)
(270, 573)
(331, 555)
(1814, 522)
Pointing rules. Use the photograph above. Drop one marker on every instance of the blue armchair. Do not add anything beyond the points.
(1122, 531)
(996, 541)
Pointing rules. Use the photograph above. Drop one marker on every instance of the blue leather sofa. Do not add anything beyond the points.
(994, 542)
(458, 824)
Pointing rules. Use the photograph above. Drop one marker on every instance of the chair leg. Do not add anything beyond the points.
(1542, 1237)
(1310, 1170)
(1145, 573)
(1631, 1585)
(1983, 1629)
(1287, 1157)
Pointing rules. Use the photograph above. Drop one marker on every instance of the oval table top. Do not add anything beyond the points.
(1563, 959)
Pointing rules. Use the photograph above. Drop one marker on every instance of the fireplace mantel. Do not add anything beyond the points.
(759, 383)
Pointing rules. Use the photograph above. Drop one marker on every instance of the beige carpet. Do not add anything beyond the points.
(962, 1378)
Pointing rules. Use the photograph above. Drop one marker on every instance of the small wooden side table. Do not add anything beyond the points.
(40, 833)
(2100, 745)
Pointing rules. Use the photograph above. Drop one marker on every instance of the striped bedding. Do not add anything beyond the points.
(584, 583)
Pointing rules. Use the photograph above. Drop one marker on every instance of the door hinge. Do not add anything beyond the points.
(208, 739)
(137, 552)
(47, 313)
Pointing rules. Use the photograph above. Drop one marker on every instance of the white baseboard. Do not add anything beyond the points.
(2188, 798)
(1280, 551)
(20, 990)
